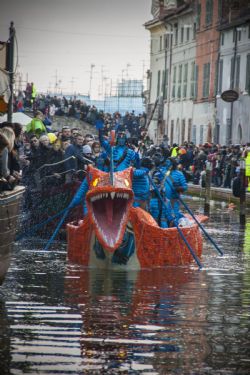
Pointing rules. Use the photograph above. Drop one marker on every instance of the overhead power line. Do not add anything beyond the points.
(79, 33)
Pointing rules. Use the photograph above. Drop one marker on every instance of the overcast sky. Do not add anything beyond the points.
(67, 36)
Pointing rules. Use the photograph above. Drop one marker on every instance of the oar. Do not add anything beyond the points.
(40, 225)
(57, 229)
(197, 221)
(112, 142)
(178, 228)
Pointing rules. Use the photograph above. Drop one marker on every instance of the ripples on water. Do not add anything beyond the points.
(59, 318)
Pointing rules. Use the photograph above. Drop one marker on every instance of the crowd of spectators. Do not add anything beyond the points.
(40, 157)
(50, 106)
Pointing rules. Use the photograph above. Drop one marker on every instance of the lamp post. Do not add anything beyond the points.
(208, 188)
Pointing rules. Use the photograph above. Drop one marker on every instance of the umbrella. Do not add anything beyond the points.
(19, 117)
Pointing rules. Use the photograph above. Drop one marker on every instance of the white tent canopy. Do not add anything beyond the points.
(4, 85)
(19, 117)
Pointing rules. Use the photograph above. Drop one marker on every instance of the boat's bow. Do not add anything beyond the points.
(109, 205)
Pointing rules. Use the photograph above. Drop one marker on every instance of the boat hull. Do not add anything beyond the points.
(9, 212)
(145, 244)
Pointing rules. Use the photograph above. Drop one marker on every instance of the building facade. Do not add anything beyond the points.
(233, 119)
(195, 55)
(207, 49)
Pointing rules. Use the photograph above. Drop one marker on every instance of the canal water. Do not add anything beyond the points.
(59, 318)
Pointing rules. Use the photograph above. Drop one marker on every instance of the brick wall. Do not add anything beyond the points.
(207, 49)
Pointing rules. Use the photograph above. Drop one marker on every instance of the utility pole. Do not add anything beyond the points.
(128, 65)
(10, 68)
(90, 78)
(242, 192)
(72, 85)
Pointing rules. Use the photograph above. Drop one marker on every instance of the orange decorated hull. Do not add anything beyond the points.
(153, 246)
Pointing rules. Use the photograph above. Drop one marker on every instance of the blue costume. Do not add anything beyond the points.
(140, 186)
(160, 213)
(157, 209)
(174, 183)
(123, 156)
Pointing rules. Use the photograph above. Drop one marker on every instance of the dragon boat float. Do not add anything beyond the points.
(114, 234)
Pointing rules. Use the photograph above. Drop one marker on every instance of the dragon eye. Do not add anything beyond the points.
(126, 182)
(95, 182)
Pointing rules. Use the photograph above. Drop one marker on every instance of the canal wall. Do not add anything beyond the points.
(217, 194)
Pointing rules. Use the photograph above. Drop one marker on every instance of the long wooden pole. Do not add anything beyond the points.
(10, 68)
(242, 192)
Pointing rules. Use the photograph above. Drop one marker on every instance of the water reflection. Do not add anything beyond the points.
(130, 320)
(4, 339)
(59, 318)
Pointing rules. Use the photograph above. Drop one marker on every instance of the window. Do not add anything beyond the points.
(239, 134)
(194, 30)
(183, 130)
(239, 35)
(184, 93)
(163, 82)
(174, 83)
(189, 129)
(182, 34)
(220, 76)
(209, 12)
(158, 83)
(166, 41)
(187, 35)
(206, 80)
(237, 77)
(172, 132)
(201, 133)
(179, 82)
(194, 81)
(165, 91)
(247, 87)
(194, 134)
(222, 39)
(219, 9)
(236, 35)
(198, 16)
(160, 46)
(176, 33)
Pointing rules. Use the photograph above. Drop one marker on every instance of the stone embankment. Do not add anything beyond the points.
(60, 121)
(217, 193)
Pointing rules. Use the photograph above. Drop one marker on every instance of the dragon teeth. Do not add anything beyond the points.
(113, 194)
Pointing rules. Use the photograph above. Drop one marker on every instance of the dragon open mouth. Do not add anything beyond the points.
(109, 210)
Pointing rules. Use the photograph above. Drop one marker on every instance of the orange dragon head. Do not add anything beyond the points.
(109, 205)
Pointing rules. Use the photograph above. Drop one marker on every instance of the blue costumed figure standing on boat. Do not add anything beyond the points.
(174, 183)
